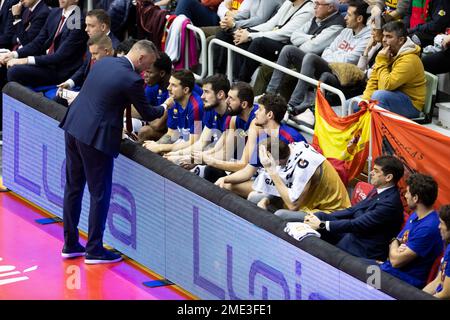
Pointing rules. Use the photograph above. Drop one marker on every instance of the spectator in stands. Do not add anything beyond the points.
(251, 13)
(413, 251)
(312, 37)
(100, 46)
(97, 23)
(398, 78)
(156, 80)
(437, 19)
(29, 17)
(365, 229)
(125, 46)
(215, 118)
(347, 47)
(267, 39)
(268, 117)
(202, 13)
(439, 62)
(395, 9)
(5, 21)
(306, 188)
(241, 128)
(440, 286)
(184, 118)
(55, 53)
(352, 79)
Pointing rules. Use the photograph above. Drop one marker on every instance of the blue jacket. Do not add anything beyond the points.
(368, 226)
(80, 75)
(30, 25)
(5, 19)
(95, 117)
(70, 44)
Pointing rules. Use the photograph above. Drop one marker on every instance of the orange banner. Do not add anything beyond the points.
(421, 149)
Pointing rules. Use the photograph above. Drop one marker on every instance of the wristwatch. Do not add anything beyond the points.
(322, 225)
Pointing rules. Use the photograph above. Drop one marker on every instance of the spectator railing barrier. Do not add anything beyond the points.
(203, 55)
(207, 240)
(232, 48)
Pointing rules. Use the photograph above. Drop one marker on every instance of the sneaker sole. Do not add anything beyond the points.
(73, 255)
(99, 261)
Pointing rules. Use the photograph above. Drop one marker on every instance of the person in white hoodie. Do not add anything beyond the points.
(267, 39)
(347, 47)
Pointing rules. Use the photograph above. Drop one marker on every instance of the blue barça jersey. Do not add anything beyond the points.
(444, 268)
(286, 134)
(423, 237)
(216, 123)
(184, 119)
(155, 95)
(245, 125)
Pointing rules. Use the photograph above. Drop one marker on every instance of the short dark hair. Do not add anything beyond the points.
(125, 45)
(101, 15)
(397, 27)
(163, 63)
(391, 165)
(362, 9)
(245, 91)
(423, 186)
(218, 82)
(444, 214)
(186, 78)
(283, 148)
(101, 40)
(275, 103)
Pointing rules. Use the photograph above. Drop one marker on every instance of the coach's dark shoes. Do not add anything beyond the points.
(106, 257)
(73, 252)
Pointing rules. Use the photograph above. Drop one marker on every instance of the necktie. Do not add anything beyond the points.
(51, 49)
(372, 194)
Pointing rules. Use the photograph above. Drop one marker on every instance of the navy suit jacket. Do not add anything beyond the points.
(95, 117)
(368, 226)
(69, 47)
(28, 28)
(5, 19)
(82, 72)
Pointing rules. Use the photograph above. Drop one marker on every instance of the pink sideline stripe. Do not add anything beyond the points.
(28, 246)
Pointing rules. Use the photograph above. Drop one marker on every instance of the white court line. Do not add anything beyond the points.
(9, 274)
(7, 281)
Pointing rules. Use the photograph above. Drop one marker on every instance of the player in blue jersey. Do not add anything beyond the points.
(184, 118)
(440, 286)
(157, 80)
(239, 138)
(269, 115)
(215, 90)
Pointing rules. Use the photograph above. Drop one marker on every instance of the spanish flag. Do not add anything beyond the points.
(343, 140)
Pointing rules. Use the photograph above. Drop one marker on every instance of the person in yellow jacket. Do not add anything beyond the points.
(397, 81)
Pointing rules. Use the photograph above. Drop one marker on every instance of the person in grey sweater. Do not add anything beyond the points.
(347, 47)
(312, 37)
(251, 13)
(267, 39)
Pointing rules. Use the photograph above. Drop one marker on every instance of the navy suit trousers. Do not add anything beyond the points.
(35, 76)
(86, 164)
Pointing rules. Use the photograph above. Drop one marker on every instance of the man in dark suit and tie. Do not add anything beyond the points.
(5, 18)
(55, 53)
(365, 229)
(28, 18)
(97, 22)
(93, 130)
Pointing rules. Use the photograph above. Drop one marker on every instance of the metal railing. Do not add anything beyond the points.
(203, 55)
(232, 48)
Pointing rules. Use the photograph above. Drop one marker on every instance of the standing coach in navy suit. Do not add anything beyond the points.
(93, 125)
(366, 229)
(55, 53)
